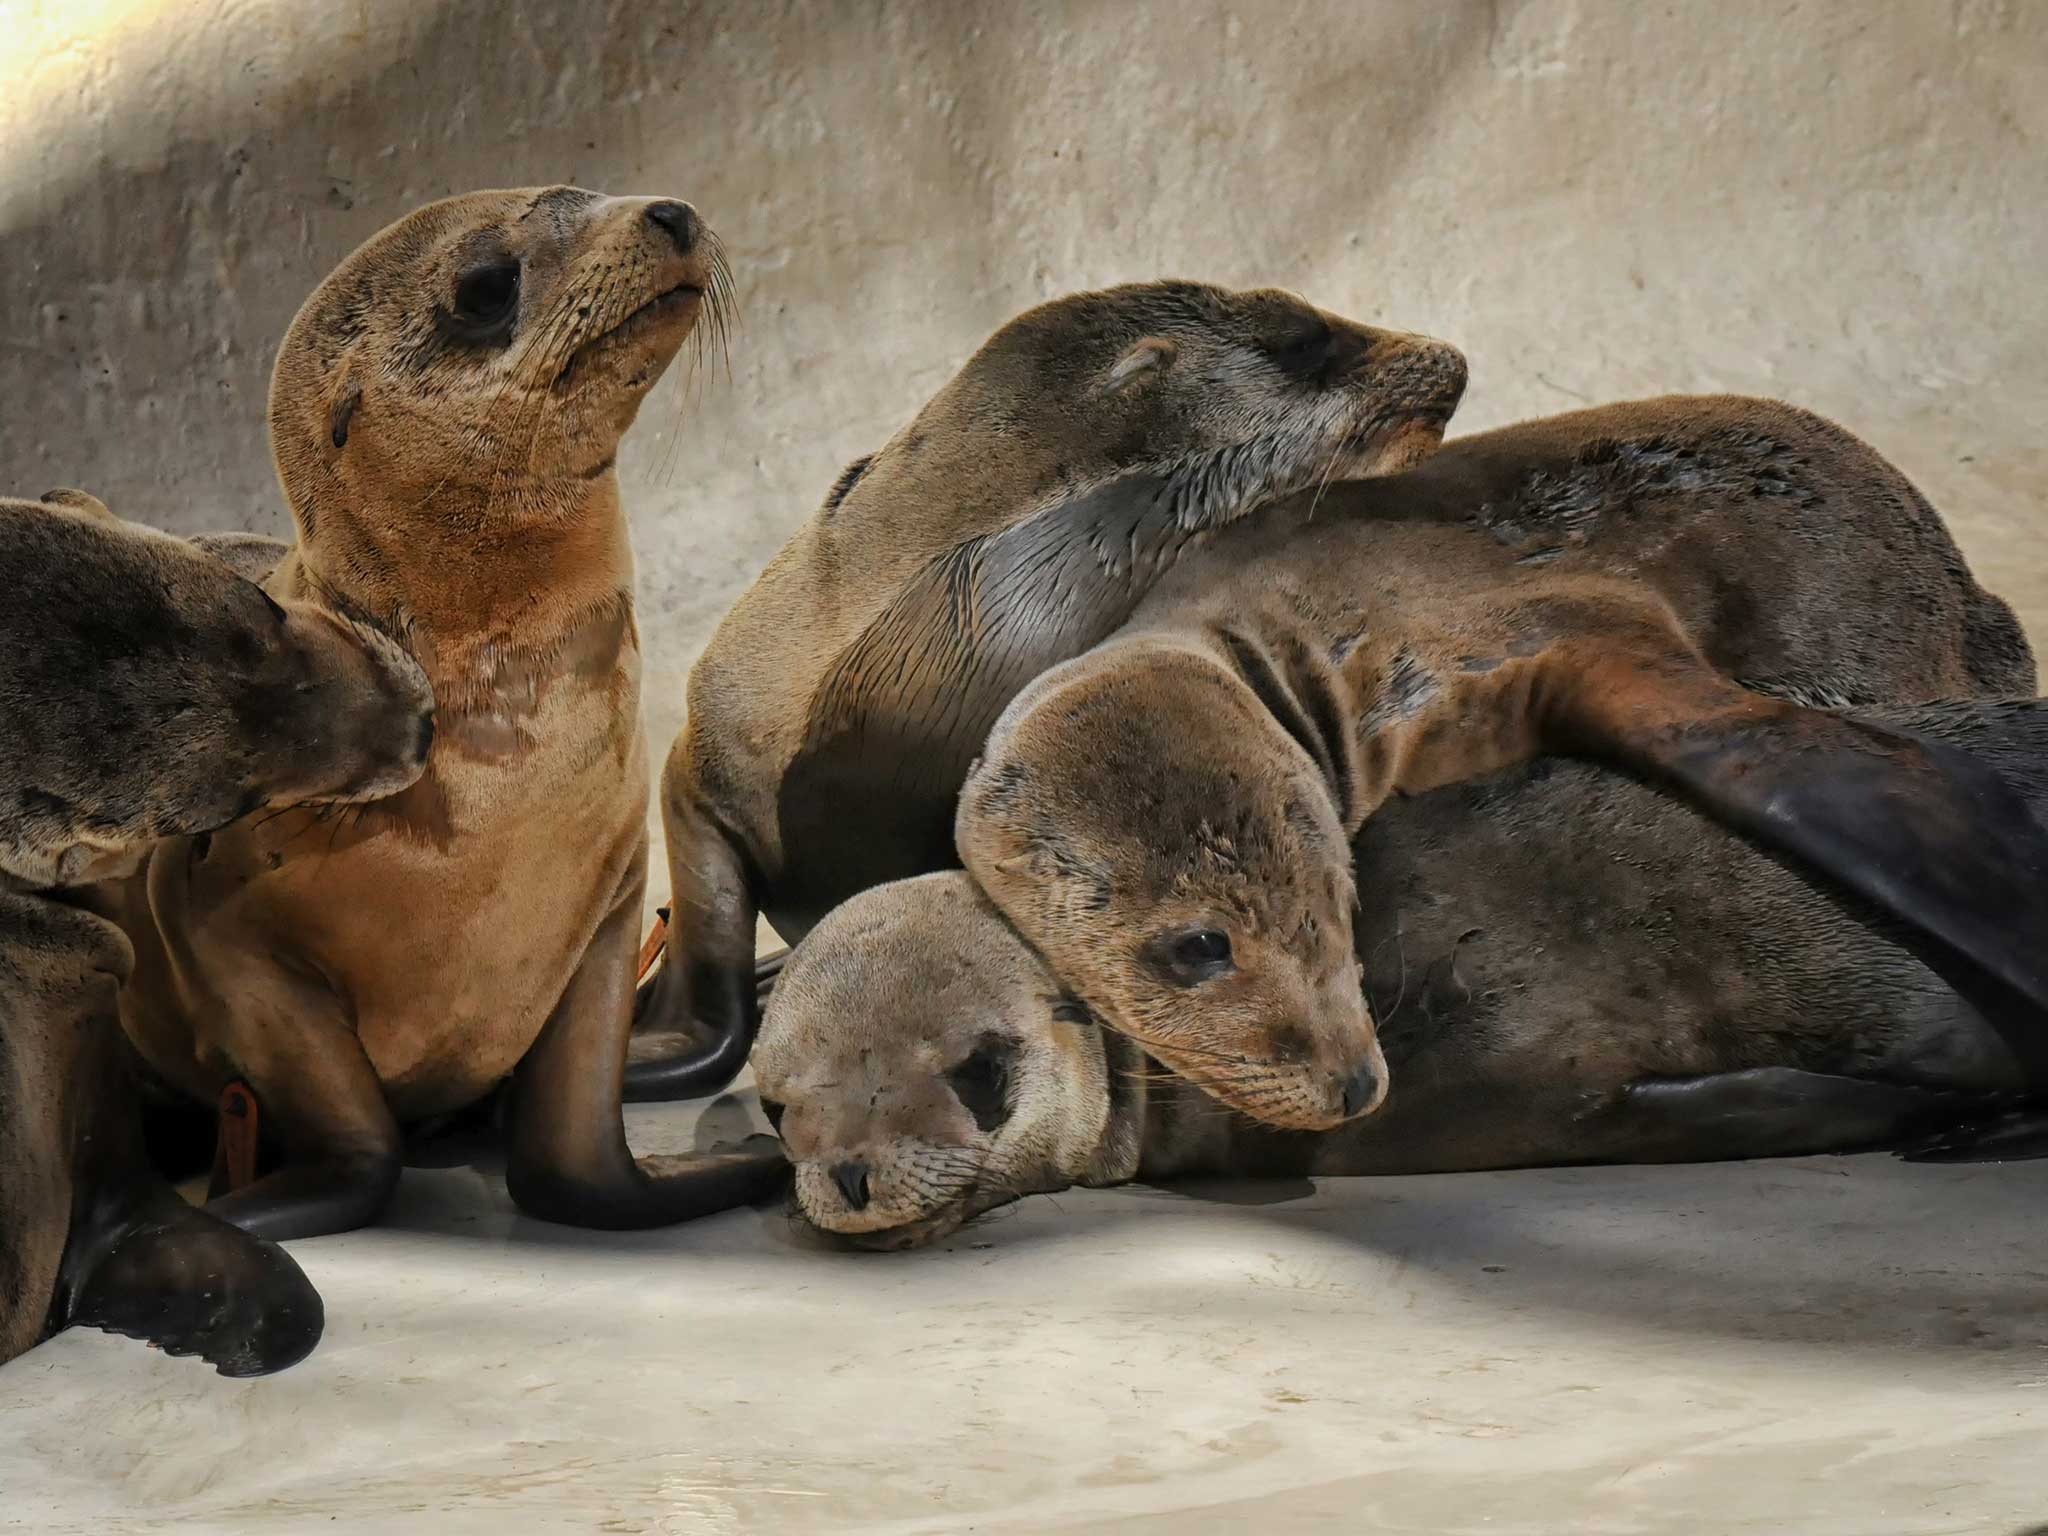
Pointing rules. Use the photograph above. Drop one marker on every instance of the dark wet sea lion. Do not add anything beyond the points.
(1671, 586)
(146, 691)
(445, 412)
(1568, 967)
(1083, 450)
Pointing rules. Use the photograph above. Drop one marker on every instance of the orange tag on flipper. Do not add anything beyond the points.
(235, 1142)
(657, 941)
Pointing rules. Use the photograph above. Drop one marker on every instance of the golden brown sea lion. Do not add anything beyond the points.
(1088, 446)
(146, 691)
(445, 413)
(1568, 967)
(1669, 585)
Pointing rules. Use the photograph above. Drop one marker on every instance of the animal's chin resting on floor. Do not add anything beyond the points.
(1569, 967)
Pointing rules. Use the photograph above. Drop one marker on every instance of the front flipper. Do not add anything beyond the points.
(2018, 1135)
(567, 1158)
(1924, 832)
(252, 556)
(342, 1150)
(1766, 1112)
(189, 1283)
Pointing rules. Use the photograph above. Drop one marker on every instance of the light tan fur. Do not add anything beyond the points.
(448, 457)
(147, 690)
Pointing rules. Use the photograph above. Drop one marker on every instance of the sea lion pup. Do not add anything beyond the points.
(1667, 585)
(1569, 968)
(445, 413)
(146, 690)
(1090, 443)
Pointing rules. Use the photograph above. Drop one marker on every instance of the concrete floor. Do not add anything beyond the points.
(1837, 204)
(1834, 1347)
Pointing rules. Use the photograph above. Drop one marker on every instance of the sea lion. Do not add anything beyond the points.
(1670, 585)
(445, 413)
(1092, 441)
(1568, 967)
(146, 691)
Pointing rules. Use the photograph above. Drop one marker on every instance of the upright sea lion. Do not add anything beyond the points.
(445, 413)
(1669, 585)
(147, 691)
(1568, 967)
(1085, 448)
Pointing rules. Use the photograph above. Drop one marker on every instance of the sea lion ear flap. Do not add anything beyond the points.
(343, 410)
(1147, 357)
(849, 477)
(78, 501)
(983, 819)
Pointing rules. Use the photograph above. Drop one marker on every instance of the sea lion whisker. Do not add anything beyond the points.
(468, 417)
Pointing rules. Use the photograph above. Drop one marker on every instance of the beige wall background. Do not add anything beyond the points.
(1838, 202)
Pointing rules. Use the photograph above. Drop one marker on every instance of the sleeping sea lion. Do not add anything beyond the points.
(1082, 451)
(445, 413)
(1568, 967)
(147, 691)
(1672, 586)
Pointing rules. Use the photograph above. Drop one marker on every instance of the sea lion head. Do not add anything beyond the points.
(922, 1067)
(148, 691)
(484, 355)
(1227, 399)
(1178, 861)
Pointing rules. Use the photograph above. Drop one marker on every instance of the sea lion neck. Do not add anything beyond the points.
(476, 571)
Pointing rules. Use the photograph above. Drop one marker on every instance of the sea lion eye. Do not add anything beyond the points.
(485, 298)
(1303, 347)
(982, 1082)
(1192, 956)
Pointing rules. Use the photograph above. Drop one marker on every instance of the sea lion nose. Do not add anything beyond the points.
(852, 1179)
(426, 739)
(679, 219)
(1360, 1089)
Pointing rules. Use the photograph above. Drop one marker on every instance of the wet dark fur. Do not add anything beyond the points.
(181, 703)
(146, 689)
(1590, 583)
(1569, 968)
(1544, 940)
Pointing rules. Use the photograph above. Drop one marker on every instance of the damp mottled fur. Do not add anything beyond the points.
(1088, 447)
(1671, 586)
(1568, 967)
(147, 690)
(445, 414)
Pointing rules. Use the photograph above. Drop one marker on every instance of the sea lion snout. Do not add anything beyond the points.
(348, 715)
(495, 344)
(678, 220)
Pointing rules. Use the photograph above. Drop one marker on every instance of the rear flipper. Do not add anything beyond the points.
(1768, 1112)
(2015, 1136)
(179, 1278)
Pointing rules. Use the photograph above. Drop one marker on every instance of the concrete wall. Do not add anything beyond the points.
(1843, 203)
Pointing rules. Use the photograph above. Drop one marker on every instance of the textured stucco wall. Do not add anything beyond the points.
(1842, 203)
